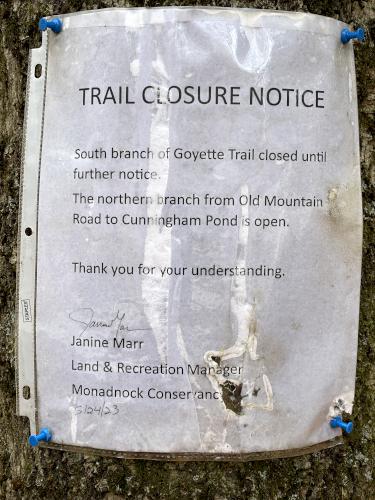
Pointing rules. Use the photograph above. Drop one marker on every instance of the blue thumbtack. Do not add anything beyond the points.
(347, 35)
(55, 24)
(44, 435)
(337, 422)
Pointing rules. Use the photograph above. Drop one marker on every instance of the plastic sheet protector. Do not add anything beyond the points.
(190, 236)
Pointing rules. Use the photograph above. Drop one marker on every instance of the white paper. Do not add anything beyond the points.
(249, 344)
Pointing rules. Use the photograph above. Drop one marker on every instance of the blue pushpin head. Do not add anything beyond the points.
(44, 435)
(337, 422)
(347, 35)
(54, 24)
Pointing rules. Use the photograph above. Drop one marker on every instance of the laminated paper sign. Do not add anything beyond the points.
(190, 237)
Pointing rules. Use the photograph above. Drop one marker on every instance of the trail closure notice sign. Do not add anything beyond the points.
(190, 235)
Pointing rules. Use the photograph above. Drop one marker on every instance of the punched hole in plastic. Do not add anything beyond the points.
(26, 392)
(38, 71)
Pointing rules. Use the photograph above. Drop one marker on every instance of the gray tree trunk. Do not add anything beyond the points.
(340, 473)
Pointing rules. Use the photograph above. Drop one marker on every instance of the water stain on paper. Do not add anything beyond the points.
(234, 391)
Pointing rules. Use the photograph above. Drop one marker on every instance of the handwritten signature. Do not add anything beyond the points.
(85, 317)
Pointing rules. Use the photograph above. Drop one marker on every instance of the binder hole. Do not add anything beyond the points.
(26, 392)
(28, 231)
(38, 71)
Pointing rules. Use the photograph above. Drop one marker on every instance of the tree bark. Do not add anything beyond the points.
(342, 472)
